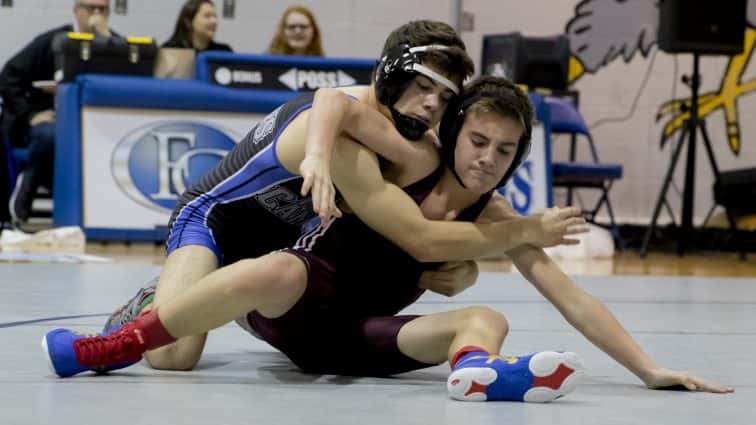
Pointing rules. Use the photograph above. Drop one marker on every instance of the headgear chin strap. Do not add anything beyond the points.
(394, 71)
(411, 128)
(451, 124)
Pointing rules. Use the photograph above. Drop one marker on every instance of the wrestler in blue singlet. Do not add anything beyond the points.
(249, 204)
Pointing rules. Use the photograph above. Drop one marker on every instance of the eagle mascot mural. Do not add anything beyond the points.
(602, 31)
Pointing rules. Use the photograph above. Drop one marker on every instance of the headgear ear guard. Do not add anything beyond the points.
(395, 69)
(452, 122)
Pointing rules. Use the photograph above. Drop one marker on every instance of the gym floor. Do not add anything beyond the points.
(703, 324)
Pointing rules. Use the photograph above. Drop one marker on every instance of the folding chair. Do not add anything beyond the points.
(573, 174)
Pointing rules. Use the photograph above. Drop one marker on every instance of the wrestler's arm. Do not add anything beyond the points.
(391, 212)
(589, 315)
(334, 113)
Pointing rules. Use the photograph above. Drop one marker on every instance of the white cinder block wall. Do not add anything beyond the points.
(357, 28)
(351, 28)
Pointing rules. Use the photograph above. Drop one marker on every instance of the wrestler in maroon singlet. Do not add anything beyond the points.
(346, 323)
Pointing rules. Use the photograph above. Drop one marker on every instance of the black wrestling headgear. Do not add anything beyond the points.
(454, 117)
(397, 68)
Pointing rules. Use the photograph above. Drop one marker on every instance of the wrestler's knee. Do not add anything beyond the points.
(182, 355)
(486, 319)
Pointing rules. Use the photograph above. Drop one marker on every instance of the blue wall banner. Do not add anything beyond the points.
(275, 72)
(128, 147)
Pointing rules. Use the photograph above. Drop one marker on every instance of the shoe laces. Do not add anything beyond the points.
(107, 350)
(135, 306)
(125, 315)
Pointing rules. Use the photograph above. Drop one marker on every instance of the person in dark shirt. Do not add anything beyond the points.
(195, 28)
(29, 113)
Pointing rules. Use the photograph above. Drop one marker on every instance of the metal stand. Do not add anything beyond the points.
(689, 128)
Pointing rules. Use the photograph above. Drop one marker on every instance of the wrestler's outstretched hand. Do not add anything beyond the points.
(667, 379)
(553, 226)
(317, 177)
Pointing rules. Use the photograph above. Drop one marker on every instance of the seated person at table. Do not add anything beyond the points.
(298, 34)
(195, 28)
(29, 112)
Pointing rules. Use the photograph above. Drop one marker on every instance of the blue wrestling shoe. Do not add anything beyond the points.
(69, 353)
(539, 377)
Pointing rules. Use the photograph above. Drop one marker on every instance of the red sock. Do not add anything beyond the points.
(150, 331)
(467, 349)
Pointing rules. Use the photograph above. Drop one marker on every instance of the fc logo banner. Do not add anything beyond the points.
(153, 165)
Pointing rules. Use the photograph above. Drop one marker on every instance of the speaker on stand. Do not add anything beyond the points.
(700, 27)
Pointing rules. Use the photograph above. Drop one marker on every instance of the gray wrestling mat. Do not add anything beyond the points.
(704, 325)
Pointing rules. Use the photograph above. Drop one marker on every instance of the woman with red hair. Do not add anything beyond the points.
(297, 34)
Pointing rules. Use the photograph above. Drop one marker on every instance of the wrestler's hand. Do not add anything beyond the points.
(553, 226)
(317, 177)
(451, 278)
(667, 379)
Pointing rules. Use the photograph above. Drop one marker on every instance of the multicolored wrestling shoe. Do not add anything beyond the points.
(133, 307)
(69, 353)
(539, 377)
